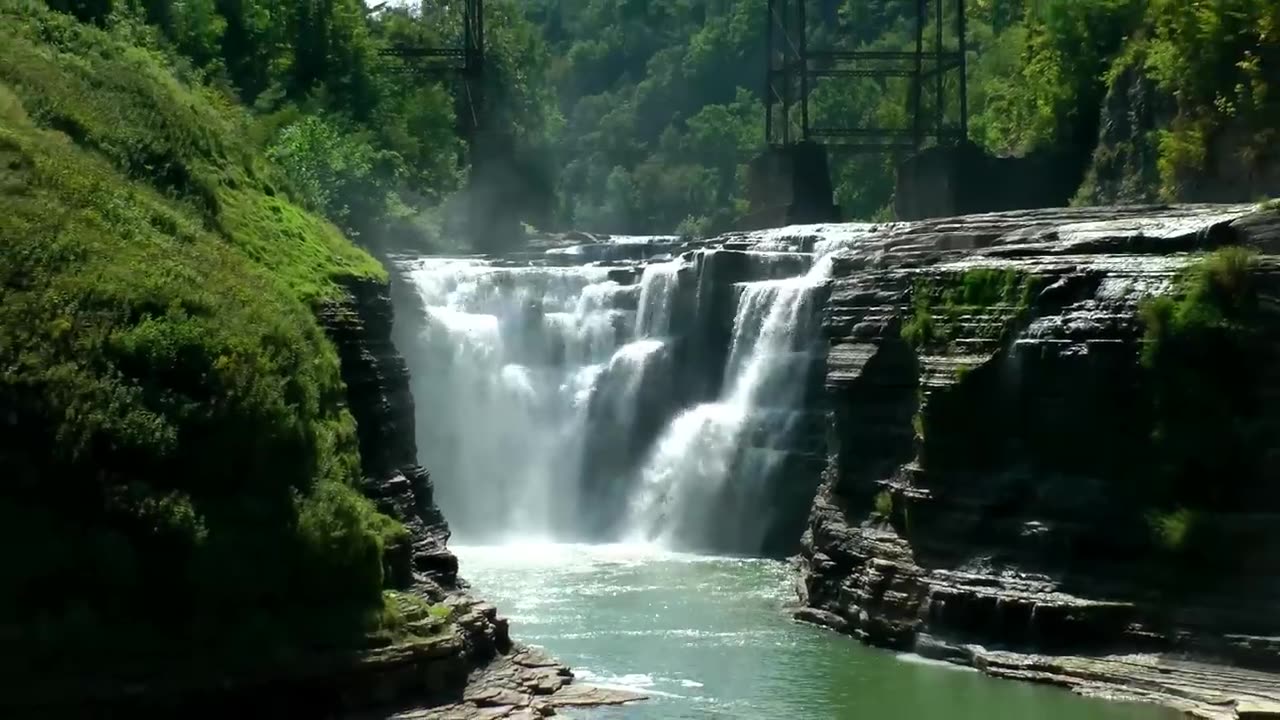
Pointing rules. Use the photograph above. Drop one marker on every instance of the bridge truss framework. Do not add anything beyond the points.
(464, 63)
(795, 68)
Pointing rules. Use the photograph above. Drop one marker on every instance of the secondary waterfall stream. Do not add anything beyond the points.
(683, 483)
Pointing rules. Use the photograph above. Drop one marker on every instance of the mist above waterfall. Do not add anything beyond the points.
(604, 403)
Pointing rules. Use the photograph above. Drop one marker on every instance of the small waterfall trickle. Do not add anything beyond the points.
(657, 298)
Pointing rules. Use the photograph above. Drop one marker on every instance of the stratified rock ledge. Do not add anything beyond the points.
(523, 684)
(1203, 691)
(988, 459)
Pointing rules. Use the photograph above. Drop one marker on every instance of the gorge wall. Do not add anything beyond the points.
(998, 452)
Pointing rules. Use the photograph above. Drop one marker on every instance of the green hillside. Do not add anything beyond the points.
(177, 457)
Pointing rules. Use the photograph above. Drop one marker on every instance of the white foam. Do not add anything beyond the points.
(914, 659)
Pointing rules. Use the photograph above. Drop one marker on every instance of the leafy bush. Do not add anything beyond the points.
(1204, 349)
(337, 171)
(1171, 530)
(884, 505)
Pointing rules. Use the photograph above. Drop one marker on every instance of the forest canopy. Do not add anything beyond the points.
(641, 117)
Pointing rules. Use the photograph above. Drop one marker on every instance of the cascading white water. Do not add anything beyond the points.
(549, 400)
(657, 298)
(682, 489)
(511, 365)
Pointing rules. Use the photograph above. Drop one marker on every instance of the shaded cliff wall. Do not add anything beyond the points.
(993, 476)
(377, 381)
(425, 673)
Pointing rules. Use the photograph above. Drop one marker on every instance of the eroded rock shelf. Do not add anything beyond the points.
(980, 491)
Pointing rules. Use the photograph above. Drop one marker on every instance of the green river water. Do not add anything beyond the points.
(709, 637)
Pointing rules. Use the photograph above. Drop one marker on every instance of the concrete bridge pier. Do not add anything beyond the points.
(789, 185)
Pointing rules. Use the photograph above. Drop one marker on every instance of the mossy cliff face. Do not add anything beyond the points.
(1055, 431)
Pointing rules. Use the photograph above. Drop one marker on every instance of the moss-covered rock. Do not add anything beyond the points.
(942, 304)
(1205, 352)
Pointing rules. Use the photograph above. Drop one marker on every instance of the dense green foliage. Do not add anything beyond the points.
(177, 454)
(1221, 61)
(1205, 352)
(637, 117)
(368, 141)
(663, 109)
(997, 297)
(659, 121)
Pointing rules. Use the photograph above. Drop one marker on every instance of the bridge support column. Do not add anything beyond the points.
(964, 179)
(790, 185)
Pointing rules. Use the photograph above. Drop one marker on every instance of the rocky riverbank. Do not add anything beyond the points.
(989, 459)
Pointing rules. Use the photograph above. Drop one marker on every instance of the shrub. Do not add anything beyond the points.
(884, 505)
(938, 302)
(1171, 529)
(1203, 351)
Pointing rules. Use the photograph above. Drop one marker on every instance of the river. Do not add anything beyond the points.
(709, 637)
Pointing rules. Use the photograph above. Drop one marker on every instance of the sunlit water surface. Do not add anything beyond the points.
(709, 637)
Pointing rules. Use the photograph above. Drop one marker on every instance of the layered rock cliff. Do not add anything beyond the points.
(997, 447)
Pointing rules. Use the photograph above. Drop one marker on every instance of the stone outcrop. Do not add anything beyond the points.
(465, 667)
(1237, 164)
(987, 477)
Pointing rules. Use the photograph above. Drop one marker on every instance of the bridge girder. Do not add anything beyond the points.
(795, 68)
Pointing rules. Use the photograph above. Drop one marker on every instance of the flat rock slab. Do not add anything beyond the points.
(1204, 691)
(524, 684)
(488, 704)
(592, 696)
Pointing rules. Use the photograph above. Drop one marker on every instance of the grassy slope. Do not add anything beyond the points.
(173, 436)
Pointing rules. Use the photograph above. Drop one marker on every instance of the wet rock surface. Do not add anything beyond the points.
(522, 684)
(979, 489)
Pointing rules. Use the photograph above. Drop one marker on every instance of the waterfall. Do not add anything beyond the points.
(704, 484)
(519, 373)
(559, 403)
